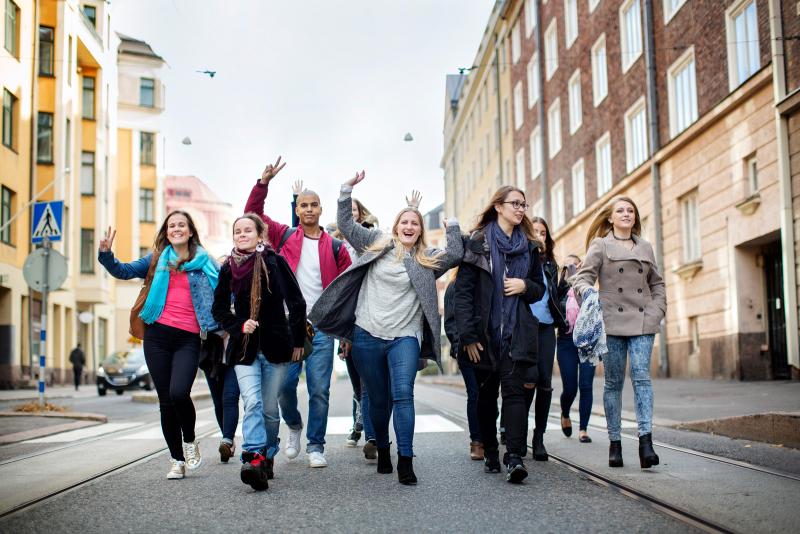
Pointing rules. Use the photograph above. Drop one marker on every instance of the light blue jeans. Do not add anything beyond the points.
(319, 366)
(260, 384)
(640, 349)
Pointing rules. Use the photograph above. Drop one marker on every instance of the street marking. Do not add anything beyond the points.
(83, 433)
(154, 433)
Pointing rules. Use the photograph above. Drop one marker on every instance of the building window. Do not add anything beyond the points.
(635, 136)
(147, 92)
(518, 112)
(68, 146)
(46, 50)
(751, 170)
(575, 104)
(533, 80)
(536, 152)
(91, 14)
(554, 128)
(516, 43)
(87, 173)
(146, 206)
(682, 93)
(44, 138)
(144, 251)
(694, 332)
(630, 27)
(593, 5)
(599, 71)
(690, 224)
(521, 168)
(88, 97)
(9, 116)
(12, 28)
(6, 212)
(87, 250)
(69, 61)
(670, 8)
(570, 21)
(550, 50)
(537, 210)
(602, 152)
(742, 35)
(147, 148)
(530, 17)
(578, 188)
(557, 205)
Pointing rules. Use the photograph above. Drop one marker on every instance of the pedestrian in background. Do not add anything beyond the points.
(78, 360)
(634, 302)
(263, 341)
(500, 277)
(180, 282)
(386, 304)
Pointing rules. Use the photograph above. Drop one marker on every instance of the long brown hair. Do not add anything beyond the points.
(429, 262)
(161, 241)
(259, 268)
(601, 226)
(489, 213)
(363, 212)
(549, 243)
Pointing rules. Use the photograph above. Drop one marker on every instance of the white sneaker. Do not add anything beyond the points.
(293, 445)
(177, 470)
(317, 459)
(192, 453)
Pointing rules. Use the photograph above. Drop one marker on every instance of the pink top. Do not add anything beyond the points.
(178, 310)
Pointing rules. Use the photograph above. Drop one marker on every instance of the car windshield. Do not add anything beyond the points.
(128, 358)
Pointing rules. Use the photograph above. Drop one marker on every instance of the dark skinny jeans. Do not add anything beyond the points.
(172, 355)
(224, 390)
(569, 364)
(471, 383)
(544, 385)
(508, 379)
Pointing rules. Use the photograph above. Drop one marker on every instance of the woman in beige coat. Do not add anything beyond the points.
(634, 302)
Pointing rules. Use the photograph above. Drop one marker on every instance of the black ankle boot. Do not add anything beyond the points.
(384, 461)
(405, 470)
(491, 461)
(615, 454)
(647, 456)
(539, 452)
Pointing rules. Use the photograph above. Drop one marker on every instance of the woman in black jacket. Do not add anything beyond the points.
(499, 278)
(262, 341)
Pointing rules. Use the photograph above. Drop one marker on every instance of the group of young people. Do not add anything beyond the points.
(284, 294)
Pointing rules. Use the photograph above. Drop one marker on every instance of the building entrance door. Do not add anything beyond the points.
(776, 321)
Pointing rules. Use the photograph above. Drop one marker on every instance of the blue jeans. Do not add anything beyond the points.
(571, 368)
(388, 369)
(225, 395)
(471, 383)
(319, 366)
(640, 348)
(260, 383)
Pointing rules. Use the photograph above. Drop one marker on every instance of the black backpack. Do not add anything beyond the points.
(337, 243)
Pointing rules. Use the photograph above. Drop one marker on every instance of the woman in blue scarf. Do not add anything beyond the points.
(500, 277)
(177, 315)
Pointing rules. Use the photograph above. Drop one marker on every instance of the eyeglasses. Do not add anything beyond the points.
(516, 204)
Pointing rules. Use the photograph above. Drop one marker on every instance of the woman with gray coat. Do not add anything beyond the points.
(386, 304)
(634, 302)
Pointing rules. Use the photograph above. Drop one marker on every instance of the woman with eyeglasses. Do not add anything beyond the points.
(500, 277)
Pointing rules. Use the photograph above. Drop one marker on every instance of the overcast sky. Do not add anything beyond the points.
(332, 86)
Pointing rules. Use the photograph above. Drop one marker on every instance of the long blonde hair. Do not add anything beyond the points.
(601, 226)
(425, 260)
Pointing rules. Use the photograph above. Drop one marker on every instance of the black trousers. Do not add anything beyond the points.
(77, 373)
(508, 380)
(172, 356)
(544, 385)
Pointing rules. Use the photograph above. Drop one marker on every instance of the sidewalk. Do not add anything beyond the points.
(51, 393)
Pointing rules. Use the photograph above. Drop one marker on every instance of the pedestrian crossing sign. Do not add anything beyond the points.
(47, 221)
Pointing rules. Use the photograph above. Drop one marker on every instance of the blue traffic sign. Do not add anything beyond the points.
(47, 221)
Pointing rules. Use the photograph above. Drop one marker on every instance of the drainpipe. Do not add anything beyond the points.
(655, 167)
(499, 109)
(32, 171)
(785, 184)
(540, 115)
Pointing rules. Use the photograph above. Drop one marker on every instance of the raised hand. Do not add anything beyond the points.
(414, 201)
(271, 170)
(297, 187)
(356, 179)
(108, 240)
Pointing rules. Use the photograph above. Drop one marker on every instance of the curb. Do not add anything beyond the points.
(150, 397)
(80, 416)
(36, 433)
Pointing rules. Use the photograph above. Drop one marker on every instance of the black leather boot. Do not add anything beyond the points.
(615, 454)
(539, 452)
(491, 461)
(405, 470)
(647, 456)
(384, 461)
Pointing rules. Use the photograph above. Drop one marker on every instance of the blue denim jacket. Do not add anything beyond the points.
(202, 292)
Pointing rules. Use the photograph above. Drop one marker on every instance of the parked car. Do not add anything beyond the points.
(123, 370)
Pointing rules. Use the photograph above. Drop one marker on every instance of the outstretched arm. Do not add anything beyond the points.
(116, 268)
(359, 237)
(258, 195)
(454, 250)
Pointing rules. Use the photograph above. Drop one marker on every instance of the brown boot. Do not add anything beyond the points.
(476, 450)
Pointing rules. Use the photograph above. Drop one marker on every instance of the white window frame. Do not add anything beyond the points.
(636, 144)
(578, 187)
(685, 61)
(604, 174)
(570, 22)
(516, 43)
(751, 174)
(551, 49)
(535, 144)
(532, 71)
(670, 11)
(593, 5)
(537, 208)
(630, 51)
(520, 168)
(519, 116)
(557, 207)
(554, 127)
(575, 102)
(690, 227)
(731, 14)
(597, 86)
(530, 17)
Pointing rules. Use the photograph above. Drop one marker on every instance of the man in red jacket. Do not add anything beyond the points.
(316, 259)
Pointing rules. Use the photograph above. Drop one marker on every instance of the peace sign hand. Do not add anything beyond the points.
(297, 187)
(271, 170)
(107, 240)
(414, 201)
(356, 179)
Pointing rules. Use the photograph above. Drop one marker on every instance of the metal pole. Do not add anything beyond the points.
(43, 335)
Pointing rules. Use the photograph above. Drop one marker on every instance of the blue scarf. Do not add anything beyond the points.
(157, 296)
(510, 258)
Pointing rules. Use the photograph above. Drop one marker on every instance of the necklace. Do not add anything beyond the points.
(620, 238)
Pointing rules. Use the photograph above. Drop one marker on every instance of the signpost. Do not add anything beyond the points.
(45, 269)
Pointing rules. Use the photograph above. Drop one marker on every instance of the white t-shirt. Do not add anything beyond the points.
(308, 274)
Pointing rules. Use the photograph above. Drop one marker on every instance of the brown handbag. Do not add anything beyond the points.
(137, 326)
